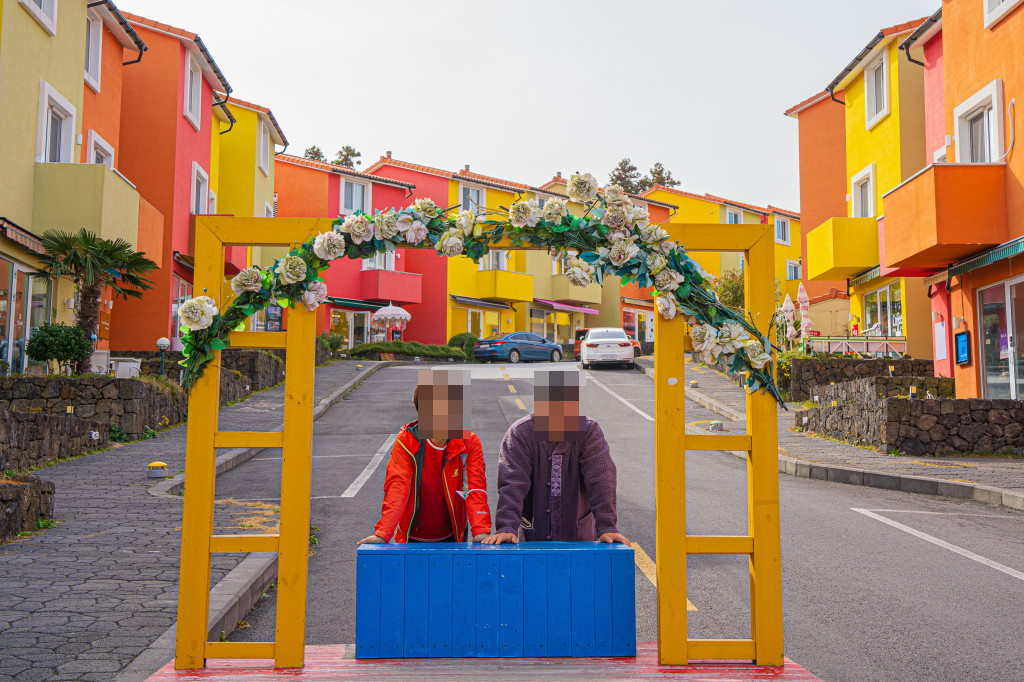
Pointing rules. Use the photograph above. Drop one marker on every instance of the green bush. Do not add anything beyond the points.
(413, 348)
(465, 341)
(63, 343)
(336, 342)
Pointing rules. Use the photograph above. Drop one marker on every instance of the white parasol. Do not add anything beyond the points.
(392, 313)
(805, 310)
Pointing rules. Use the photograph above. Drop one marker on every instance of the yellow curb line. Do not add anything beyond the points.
(646, 565)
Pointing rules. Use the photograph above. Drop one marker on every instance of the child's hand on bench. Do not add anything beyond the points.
(499, 538)
(372, 540)
(613, 537)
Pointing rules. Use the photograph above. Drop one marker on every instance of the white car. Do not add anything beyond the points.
(606, 345)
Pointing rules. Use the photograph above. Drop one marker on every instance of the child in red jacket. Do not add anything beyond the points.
(424, 498)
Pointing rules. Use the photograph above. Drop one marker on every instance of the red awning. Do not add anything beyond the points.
(21, 235)
(565, 307)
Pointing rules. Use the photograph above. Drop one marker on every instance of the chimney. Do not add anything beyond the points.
(388, 152)
(467, 166)
(559, 174)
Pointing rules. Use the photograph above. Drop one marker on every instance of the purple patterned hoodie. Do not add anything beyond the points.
(555, 491)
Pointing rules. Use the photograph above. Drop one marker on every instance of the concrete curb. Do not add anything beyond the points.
(701, 398)
(922, 485)
(240, 589)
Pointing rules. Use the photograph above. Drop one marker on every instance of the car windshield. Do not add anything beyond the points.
(580, 333)
(607, 334)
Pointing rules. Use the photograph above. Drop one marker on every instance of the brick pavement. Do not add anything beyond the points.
(81, 600)
(997, 472)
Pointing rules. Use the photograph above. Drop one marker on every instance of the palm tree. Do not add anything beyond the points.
(94, 264)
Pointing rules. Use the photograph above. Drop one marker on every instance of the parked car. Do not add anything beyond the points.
(606, 345)
(516, 347)
(580, 333)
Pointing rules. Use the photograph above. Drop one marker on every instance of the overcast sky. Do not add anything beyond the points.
(523, 88)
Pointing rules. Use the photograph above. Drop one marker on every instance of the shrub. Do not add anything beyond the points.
(729, 288)
(336, 342)
(413, 348)
(465, 341)
(65, 344)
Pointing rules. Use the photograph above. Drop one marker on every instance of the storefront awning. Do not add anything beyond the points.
(187, 261)
(353, 303)
(568, 308)
(19, 234)
(642, 303)
(482, 303)
(1007, 250)
(865, 277)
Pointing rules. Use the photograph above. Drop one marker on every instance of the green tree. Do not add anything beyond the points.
(626, 175)
(729, 288)
(347, 156)
(94, 264)
(658, 175)
(67, 345)
(315, 154)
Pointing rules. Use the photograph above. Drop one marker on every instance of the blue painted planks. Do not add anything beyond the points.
(439, 605)
(623, 604)
(535, 604)
(368, 606)
(463, 604)
(392, 605)
(581, 588)
(510, 605)
(603, 603)
(416, 614)
(487, 605)
(559, 618)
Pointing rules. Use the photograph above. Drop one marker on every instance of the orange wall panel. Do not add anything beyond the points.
(101, 111)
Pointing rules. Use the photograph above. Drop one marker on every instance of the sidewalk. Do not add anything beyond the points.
(992, 480)
(81, 600)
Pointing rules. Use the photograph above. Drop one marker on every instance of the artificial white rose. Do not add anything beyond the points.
(250, 279)
(404, 222)
(666, 304)
(655, 261)
(359, 229)
(465, 222)
(756, 354)
(426, 208)
(622, 252)
(579, 273)
(731, 337)
(555, 210)
(614, 194)
(387, 225)
(616, 217)
(704, 339)
(617, 235)
(582, 188)
(314, 295)
(652, 234)
(291, 269)
(416, 233)
(638, 215)
(450, 244)
(525, 213)
(197, 313)
(328, 245)
(668, 280)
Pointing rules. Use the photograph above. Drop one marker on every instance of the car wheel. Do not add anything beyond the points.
(513, 355)
(556, 355)
(585, 365)
(636, 352)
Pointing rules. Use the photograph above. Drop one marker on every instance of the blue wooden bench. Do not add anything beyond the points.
(457, 600)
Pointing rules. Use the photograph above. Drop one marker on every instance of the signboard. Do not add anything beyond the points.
(273, 318)
(813, 333)
(629, 322)
(962, 347)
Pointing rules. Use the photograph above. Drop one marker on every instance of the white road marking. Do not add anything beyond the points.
(916, 511)
(368, 471)
(590, 377)
(942, 543)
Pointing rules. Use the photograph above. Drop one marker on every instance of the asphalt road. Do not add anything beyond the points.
(878, 585)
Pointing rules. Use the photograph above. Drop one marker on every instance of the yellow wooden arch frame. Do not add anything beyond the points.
(762, 544)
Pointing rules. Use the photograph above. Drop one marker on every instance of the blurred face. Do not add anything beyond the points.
(441, 405)
(556, 413)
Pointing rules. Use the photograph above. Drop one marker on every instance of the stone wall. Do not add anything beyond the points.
(924, 427)
(806, 373)
(879, 388)
(130, 404)
(29, 439)
(25, 499)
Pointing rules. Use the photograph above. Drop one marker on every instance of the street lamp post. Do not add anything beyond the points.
(162, 344)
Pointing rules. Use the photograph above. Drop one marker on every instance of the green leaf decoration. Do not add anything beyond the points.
(283, 302)
(217, 344)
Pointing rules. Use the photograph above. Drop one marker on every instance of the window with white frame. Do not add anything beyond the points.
(44, 12)
(473, 199)
(876, 90)
(541, 201)
(496, 259)
(264, 148)
(100, 151)
(193, 92)
(268, 210)
(380, 261)
(978, 135)
(55, 136)
(782, 231)
(733, 217)
(862, 191)
(995, 10)
(200, 190)
(793, 270)
(211, 203)
(93, 49)
(355, 196)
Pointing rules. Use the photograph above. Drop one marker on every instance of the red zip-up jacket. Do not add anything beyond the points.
(463, 460)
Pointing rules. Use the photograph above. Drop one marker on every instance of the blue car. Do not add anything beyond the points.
(516, 347)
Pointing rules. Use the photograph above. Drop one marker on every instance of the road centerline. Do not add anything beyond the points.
(650, 569)
(363, 477)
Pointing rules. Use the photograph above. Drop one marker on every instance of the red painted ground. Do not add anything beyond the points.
(330, 663)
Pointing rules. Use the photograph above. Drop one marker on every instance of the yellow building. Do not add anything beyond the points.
(53, 101)
(883, 97)
(708, 208)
